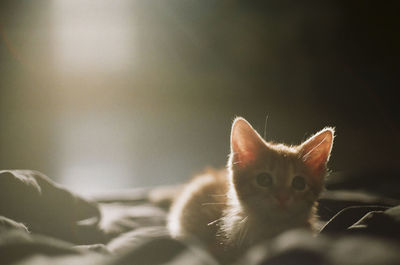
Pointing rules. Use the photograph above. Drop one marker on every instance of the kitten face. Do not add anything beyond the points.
(275, 180)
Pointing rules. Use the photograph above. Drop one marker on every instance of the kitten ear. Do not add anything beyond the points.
(316, 150)
(246, 143)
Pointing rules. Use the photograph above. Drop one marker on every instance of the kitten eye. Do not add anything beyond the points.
(264, 180)
(298, 183)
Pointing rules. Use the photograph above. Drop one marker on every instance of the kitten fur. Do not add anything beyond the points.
(228, 210)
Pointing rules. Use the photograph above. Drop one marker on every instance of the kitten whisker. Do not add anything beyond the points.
(215, 221)
(244, 220)
(327, 208)
(243, 231)
(265, 128)
(219, 195)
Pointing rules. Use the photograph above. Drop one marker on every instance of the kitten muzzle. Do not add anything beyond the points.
(283, 199)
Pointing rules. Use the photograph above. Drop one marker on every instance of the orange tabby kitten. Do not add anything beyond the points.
(267, 189)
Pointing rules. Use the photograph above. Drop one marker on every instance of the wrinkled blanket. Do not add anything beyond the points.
(43, 223)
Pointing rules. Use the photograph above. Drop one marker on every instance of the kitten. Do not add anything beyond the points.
(267, 189)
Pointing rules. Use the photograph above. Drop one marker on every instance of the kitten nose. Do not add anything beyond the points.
(283, 198)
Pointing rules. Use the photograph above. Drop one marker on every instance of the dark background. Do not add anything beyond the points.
(104, 95)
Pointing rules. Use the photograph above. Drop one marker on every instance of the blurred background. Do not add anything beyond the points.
(103, 95)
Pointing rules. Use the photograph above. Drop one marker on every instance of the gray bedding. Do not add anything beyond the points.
(44, 223)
